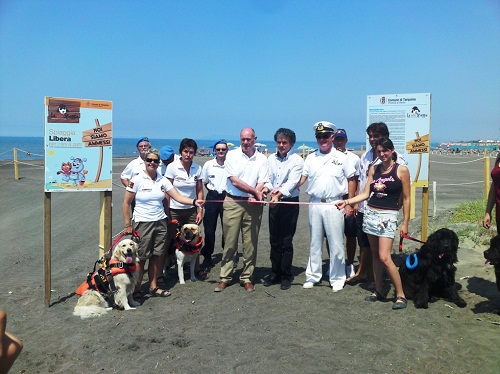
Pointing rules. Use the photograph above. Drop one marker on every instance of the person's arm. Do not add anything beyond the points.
(174, 194)
(301, 181)
(242, 186)
(127, 221)
(10, 346)
(351, 188)
(362, 196)
(489, 207)
(404, 176)
(199, 195)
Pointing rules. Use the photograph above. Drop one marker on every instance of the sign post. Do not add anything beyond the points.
(73, 164)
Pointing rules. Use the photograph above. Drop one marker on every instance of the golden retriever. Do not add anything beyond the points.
(124, 272)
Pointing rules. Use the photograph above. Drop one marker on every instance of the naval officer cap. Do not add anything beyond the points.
(324, 127)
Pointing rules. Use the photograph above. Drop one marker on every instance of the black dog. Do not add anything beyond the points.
(492, 255)
(433, 276)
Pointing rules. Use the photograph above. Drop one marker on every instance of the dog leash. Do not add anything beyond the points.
(406, 236)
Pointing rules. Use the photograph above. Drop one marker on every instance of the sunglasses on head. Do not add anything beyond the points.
(155, 160)
(323, 136)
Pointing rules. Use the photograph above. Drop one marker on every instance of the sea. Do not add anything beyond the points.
(32, 148)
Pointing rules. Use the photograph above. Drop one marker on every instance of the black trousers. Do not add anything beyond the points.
(212, 213)
(282, 225)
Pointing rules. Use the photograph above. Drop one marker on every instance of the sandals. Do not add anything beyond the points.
(400, 303)
(375, 296)
(158, 292)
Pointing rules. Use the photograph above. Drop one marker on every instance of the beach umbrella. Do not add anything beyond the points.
(303, 147)
(229, 144)
(260, 145)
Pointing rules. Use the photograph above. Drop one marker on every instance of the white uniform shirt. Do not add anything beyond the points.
(149, 197)
(133, 168)
(327, 174)
(214, 176)
(251, 170)
(284, 174)
(184, 183)
(365, 163)
(354, 160)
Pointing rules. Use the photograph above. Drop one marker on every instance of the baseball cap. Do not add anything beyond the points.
(324, 126)
(166, 152)
(341, 133)
(143, 139)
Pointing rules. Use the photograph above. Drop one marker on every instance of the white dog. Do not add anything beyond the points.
(124, 276)
(188, 245)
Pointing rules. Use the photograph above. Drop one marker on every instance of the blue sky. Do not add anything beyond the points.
(205, 69)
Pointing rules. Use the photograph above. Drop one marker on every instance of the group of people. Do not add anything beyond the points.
(348, 195)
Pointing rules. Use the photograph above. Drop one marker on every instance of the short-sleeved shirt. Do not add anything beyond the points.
(214, 176)
(133, 168)
(185, 184)
(327, 174)
(251, 170)
(354, 160)
(149, 197)
(285, 173)
(364, 167)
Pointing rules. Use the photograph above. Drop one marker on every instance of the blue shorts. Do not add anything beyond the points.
(380, 222)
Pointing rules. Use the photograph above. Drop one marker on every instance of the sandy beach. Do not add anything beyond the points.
(267, 331)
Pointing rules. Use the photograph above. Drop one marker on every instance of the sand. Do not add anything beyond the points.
(267, 331)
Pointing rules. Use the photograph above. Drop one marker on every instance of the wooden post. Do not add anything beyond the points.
(16, 164)
(47, 232)
(105, 222)
(412, 201)
(434, 196)
(425, 213)
(486, 177)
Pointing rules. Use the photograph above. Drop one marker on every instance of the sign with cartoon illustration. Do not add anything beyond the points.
(408, 117)
(78, 145)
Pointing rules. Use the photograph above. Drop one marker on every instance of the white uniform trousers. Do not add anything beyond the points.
(326, 218)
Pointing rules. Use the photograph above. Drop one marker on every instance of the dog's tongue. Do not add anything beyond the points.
(487, 262)
(129, 260)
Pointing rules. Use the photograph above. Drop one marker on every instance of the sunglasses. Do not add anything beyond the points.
(155, 160)
(323, 136)
(220, 149)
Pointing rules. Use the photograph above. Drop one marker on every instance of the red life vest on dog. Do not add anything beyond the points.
(188, 247)
(101, 279)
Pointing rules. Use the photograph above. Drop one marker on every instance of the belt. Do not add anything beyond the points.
(326, 199)
(237, 197)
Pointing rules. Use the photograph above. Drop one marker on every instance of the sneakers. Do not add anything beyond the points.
(337, 286)
(349, 271)
(310, 284)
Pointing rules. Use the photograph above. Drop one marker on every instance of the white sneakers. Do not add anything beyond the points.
(308, 285)
(337, 286)
(349, 271)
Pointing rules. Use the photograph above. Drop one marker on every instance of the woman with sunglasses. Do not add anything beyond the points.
(151, 191)
(386, 183)
(185, 176)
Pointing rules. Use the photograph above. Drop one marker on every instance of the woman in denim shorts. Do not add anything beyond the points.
(387, 183)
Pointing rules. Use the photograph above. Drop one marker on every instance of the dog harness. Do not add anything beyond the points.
(101, 279)
(186, 246)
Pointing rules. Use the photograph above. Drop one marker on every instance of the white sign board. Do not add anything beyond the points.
(408, 117)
